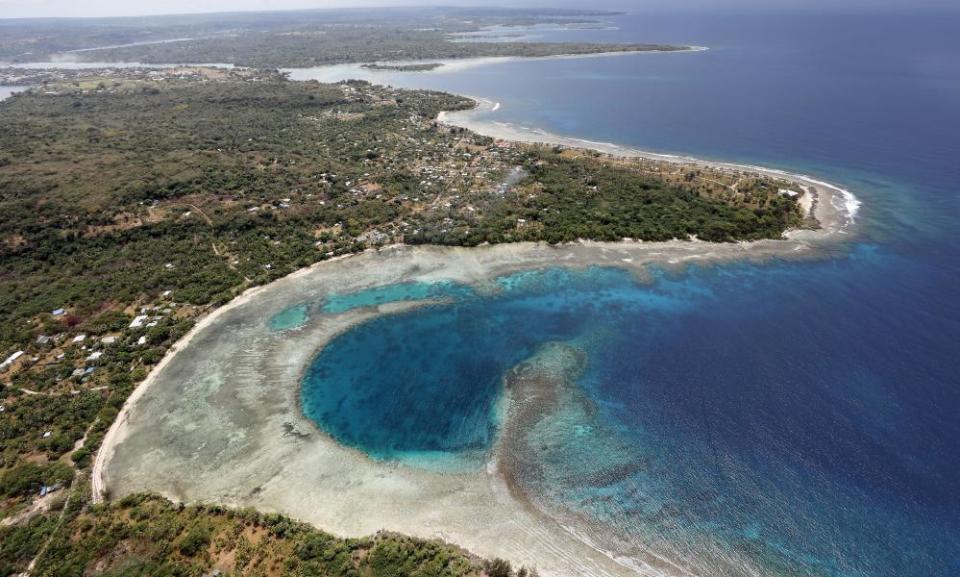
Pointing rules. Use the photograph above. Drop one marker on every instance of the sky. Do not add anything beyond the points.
(77, 8)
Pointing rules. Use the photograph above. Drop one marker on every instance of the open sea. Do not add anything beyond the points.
(802, 415)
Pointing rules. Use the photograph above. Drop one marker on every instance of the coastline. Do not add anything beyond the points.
(356, 70)
(311, 477)
(838, 217)
(115, 434)
(792, 401)
(448, 64)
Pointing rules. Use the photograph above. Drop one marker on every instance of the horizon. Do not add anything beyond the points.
(110, 9)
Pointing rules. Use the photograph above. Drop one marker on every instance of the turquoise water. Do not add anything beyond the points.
(299, 314)
(799, 414)
(290, 318)
(413, 291)
(386, 390)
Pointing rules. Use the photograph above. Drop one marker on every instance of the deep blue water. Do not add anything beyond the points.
(806, 414)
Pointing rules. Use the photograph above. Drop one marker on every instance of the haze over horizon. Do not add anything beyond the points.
(108, 8)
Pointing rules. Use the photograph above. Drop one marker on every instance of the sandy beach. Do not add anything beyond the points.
(836, 215)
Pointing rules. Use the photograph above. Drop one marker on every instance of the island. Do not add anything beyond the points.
(143, 207)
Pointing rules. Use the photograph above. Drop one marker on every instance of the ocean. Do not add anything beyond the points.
(801, 417)
(7, 91)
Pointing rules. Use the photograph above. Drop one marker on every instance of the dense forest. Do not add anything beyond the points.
(146, 535)
(131, 205)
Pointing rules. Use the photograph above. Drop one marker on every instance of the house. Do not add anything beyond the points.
(95, 356)
(58, 312)
(79, 338)
(108, 340)
(138, 321)
(10, 360)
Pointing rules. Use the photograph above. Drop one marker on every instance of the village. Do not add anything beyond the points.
(74, 366)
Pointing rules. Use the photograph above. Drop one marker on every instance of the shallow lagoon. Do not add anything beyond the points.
(428, 381)
(751, 417)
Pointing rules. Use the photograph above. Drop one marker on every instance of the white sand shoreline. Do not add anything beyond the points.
(115, 434)
(845, 203)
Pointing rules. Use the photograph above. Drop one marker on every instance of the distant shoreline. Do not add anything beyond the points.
(69, 63)
(68, 60)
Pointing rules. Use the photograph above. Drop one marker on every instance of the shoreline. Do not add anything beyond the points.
(451, 65)
(115, 434)
(222, 444)
(833, 219)
(448, 64)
